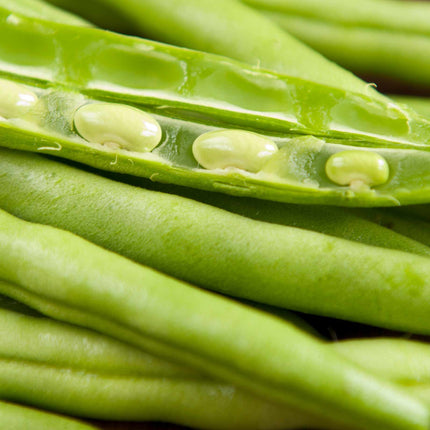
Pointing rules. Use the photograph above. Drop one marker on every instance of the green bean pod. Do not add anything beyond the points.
(41, 10)
(419, 104)
(181, 237)
(404, 361)
(69, 278)
(402, 220)
(380, 38)
(223, 96)
(124, 382)
(60, 367)
(204, 25)
(21, 418)
(377, 227)
(65, 368)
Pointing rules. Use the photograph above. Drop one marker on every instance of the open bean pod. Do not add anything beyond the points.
(204, 121)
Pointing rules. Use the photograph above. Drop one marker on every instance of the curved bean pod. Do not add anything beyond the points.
(21, 418)
(195, 403)
(227, 95)
(126, 383)
(168, 232)
(203, 25)
(377, 38)
(66, 277)
(376, 227)
(419, 104)
(122, 382)
(41, 10)
(400, 220)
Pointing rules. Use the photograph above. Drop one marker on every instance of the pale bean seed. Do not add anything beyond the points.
(222, 149)
(117, 126)
(358, 169)
(15, 99)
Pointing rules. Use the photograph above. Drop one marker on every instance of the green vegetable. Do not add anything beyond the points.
(62, 367)
(41, 10)
(224, 95)
(224, 27)
(377, 38)
(400, 221)
(86, 374)
(419, 104)
(222, 251)
(20, 418)
(71, 279)
(65, 368)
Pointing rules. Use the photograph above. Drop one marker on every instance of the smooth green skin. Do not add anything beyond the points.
(411, 17)
(42, 10)
(219, 250)
(195, 403)
(224, 27)
(21, 418)
(65, 277)
(274, 102)
(378, 38)
(124, 382)
(42, 340)
(376, 227)
(419, 104)
(403, 361)
(400, 221)
(373, 52)
(65, 368)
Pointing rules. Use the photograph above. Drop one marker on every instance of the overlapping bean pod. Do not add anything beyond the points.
(212, 248)
(223, 96)
(21, 418)
(69, 278)
(85, 374)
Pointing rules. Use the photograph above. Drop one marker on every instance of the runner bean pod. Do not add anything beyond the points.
(40, 9)
(167, 232)
(71, 279)
(193, 93)
(65, 368)
(386, 228)
(22, 418)
(378, 38)
(66, 365)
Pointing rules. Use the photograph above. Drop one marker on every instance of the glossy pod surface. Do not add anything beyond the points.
(150, 227)
(382, 38)
(222, 96)
(141, 306)
(66, 368)
(22, 418)
(87, 374)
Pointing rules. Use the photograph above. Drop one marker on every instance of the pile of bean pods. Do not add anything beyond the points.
(205, 222)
